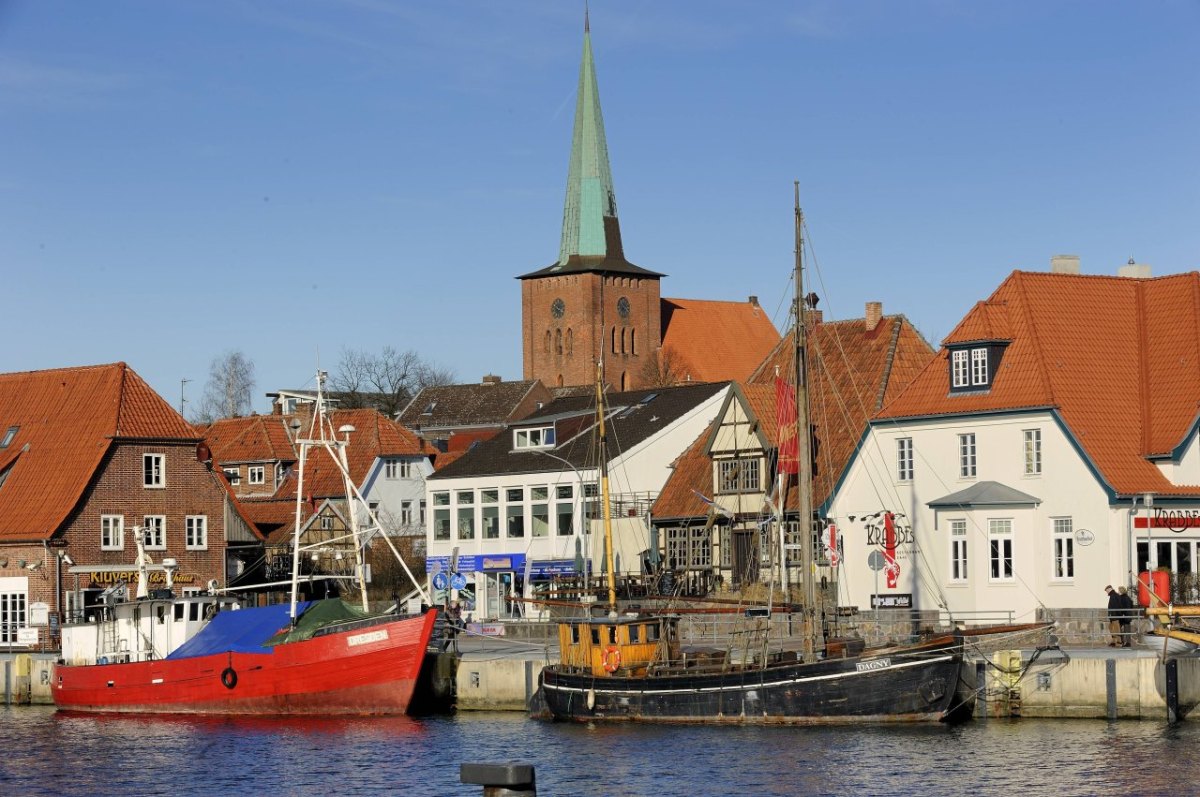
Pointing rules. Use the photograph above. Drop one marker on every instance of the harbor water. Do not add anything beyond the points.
(46, 753)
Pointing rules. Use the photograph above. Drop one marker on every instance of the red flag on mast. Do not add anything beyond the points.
(785, 420)
(891, 567)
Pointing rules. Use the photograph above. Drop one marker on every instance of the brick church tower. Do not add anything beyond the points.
(592, 303)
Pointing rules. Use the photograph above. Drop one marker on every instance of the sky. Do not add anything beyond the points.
(294, 178)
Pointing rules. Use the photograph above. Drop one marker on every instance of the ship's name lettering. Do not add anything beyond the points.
(877, 664)
(366, 639)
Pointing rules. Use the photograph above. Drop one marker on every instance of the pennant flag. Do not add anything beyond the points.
(713, 505)
(785, 420)
(891, 567)
(830, 540)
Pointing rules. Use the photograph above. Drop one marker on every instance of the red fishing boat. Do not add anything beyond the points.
(201, 654)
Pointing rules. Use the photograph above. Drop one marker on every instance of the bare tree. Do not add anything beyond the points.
(385, 381)
(666, 369)
(227, 394)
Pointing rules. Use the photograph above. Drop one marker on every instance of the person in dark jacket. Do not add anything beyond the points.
(1116, 610)
(1128, 613)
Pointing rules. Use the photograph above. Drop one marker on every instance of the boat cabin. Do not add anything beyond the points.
(139, 630)
(620, 647)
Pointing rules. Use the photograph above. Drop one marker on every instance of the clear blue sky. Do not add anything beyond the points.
(285, 178)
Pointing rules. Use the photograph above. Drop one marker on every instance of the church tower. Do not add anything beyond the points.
(592, 302)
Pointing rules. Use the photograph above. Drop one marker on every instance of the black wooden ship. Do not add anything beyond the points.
(636, 669)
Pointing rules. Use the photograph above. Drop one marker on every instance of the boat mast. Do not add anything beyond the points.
(812, 632)
(607, 509)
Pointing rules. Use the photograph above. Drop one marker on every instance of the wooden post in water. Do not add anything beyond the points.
(1172, 690)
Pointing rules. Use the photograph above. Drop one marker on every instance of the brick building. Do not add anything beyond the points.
(88, 457)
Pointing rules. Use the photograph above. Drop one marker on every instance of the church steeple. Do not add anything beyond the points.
(591, 202)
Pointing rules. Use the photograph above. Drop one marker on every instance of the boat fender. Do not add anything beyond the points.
(591, 699)
(612, 658)
(229, 677)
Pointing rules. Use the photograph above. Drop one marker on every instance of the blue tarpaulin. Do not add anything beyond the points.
(240, 631)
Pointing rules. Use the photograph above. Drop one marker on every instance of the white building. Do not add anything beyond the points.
(510, 514)
(1021, 466)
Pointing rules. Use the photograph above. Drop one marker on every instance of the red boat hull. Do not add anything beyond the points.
(365, 670)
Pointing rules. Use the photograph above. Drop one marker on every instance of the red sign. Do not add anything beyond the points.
(891, 567)
(1175, 520)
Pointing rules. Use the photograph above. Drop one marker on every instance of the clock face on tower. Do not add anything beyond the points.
(623, 307)
(558, 308)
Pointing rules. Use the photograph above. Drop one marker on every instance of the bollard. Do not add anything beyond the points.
(500, 780)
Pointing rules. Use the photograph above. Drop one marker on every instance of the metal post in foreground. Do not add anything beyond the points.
(501, 780)
(1172, 684)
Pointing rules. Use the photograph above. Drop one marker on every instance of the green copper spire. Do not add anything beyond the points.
(590, 195)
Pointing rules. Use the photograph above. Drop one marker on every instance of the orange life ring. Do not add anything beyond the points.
(612, 658)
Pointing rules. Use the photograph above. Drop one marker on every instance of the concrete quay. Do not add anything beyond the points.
(501, 674)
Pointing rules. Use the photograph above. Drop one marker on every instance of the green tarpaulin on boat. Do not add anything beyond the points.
(319, 615)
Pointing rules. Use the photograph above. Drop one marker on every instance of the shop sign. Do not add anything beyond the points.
(1176, 520)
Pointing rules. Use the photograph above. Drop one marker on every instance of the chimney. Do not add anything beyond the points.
(1134, 270)
(874, 315)
(1064, 264)
(491, 379)
(814, 317)
(754, 301)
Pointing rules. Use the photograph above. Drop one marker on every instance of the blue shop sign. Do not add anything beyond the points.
(503, 562)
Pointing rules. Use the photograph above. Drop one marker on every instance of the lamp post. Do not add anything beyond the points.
(582, 505)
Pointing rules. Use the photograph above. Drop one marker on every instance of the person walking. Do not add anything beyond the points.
(1116, 611)
(1127, 615)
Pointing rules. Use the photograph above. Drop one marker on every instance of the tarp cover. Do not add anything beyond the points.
(240, 631)
(319, 615)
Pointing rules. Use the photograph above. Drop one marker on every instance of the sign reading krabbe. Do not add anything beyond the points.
(1176, 520)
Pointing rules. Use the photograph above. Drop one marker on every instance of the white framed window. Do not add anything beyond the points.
(233, 475)
(1033, 451)
(960, 377)
(465, 514)
(112, 532)
(958, 551)
(966, 455)
(1063, 537)
(196, 532)
(14, 601)
(154, 531)
(391, 469)
(904, 459)
(154, 471)
(326, 522)
(257, 474)
(538, 437)
(1000, 543)
(406, 513)
(421, 506)
(979, 366)
(738, 475)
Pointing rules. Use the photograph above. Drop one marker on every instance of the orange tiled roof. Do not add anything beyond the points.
(1119, 359)
(66, 420)
(255, 438)
(715, 341)
(851, 372)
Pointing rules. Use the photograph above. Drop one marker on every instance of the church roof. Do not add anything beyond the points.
(709, 341)
(591, 234)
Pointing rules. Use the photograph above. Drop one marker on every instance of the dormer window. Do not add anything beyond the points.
(536, 437)
(973, 368)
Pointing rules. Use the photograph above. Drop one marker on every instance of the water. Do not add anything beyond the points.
(44, 753)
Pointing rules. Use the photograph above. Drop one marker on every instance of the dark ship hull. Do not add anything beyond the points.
(912, 684)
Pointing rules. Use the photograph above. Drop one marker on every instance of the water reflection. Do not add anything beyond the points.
(78, 754)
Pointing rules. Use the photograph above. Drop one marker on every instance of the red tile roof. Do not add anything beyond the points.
(256, 438)
(715, 341)
(1119, 358)
(852, 370)
(66, 420)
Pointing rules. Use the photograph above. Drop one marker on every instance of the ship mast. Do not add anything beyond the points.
(602, 447)
(812, 632)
